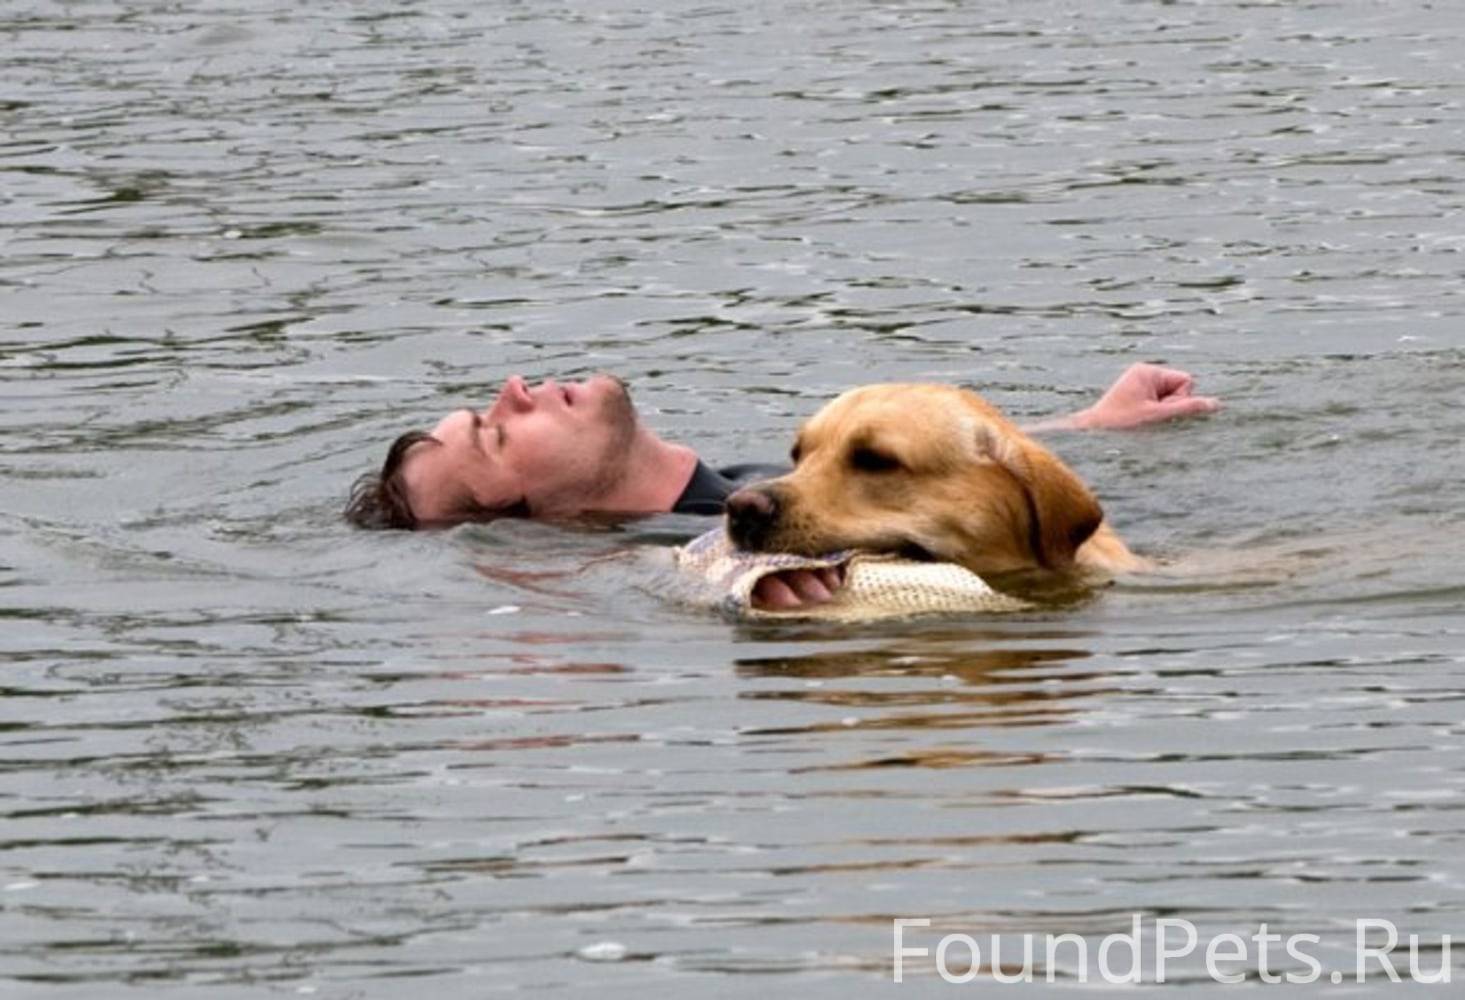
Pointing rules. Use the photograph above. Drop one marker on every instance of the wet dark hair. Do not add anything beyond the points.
(379, 499)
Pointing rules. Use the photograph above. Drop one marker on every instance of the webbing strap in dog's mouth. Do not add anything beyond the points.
(871, 585)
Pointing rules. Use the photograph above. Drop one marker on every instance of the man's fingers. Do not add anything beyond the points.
(1173, 382)
(808, 586)
(1188, 406)
(796, 588)
(772, 594)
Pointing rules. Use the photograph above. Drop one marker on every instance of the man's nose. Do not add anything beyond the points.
(514, 397)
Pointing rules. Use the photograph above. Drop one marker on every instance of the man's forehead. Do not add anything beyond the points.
(433, 485)
(448, 478)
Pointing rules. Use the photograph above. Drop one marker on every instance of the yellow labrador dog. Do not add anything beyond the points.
(932, 471)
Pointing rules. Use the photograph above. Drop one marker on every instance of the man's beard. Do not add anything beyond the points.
(620, 412)
(620, 418)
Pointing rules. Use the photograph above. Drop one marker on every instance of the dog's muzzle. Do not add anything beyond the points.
(751, 516)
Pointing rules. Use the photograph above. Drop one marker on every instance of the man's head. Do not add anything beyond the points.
(551, 450)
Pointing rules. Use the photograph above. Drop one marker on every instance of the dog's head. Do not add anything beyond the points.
(922, 469)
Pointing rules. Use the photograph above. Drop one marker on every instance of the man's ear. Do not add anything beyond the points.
(1064, 512)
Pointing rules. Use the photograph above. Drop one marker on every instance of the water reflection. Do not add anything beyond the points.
(243, 747)
(928, 657)
(1013, 690)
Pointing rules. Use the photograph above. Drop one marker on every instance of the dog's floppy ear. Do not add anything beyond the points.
(1064, 512)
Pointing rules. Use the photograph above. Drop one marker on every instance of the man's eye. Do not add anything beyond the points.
(501, 434)
(870, 460)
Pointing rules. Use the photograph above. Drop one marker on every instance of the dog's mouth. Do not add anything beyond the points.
(799, 588)
(916, 552)
(902, 547)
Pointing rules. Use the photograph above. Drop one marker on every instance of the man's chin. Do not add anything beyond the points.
(609, 383)
(619, 419)
(614, 397)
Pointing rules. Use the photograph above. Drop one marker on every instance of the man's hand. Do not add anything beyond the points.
(797, 588)
(1144, 394)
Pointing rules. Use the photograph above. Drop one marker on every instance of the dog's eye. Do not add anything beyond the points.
(794, 453)
(870, 460)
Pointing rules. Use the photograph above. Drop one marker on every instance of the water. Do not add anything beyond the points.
(250, 751)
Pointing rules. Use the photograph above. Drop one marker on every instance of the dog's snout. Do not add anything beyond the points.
(751, 514)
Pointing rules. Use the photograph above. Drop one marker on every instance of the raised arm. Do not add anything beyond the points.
(1144, 394)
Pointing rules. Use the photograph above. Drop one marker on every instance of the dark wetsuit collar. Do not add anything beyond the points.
(706, 492)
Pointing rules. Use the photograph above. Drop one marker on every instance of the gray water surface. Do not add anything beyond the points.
(245, 749)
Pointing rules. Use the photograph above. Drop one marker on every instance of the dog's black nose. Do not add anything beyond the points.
(750, 515)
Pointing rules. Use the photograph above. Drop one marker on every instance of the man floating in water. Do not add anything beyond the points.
(558, 450)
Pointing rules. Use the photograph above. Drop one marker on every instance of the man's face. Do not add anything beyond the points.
(557, 447)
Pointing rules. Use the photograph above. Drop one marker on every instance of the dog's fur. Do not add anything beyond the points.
(932, 470)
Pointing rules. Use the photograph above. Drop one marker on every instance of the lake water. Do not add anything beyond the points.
(249, 751)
